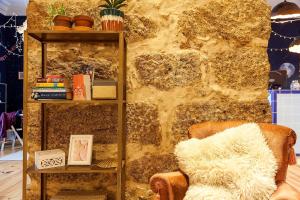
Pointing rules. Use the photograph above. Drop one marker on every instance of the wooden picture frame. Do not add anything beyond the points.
(80, 150)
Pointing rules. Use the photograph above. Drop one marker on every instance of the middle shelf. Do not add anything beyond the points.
(72, 169)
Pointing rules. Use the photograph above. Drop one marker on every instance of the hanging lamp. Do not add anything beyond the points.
(285, 10)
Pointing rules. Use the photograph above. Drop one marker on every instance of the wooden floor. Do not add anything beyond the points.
(11, 180)
(293, 176)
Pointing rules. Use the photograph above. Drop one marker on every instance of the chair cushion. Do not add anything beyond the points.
(236, 163)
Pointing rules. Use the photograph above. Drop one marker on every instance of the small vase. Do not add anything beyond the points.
(112, 19)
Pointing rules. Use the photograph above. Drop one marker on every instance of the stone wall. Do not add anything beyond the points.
(188, 61)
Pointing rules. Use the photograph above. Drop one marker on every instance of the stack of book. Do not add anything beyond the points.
(53, 87)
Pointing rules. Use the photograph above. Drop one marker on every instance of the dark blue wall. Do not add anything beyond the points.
(11, 66)
(277, 58)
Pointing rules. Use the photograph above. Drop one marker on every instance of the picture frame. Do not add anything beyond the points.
(80, 150)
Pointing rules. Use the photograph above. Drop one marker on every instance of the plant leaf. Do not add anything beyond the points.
(109, 3)
(118, 2)
(121, 5)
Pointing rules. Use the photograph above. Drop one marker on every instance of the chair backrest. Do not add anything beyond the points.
(279, 138)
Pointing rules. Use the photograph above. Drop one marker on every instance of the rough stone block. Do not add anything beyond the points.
(243, 68)
(62, 121)
(143, 125)
(139, 28)
(220, 109)
(167, 71)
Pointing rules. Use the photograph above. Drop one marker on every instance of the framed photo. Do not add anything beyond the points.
(80, 150)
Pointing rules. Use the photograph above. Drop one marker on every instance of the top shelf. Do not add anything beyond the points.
(75, 36)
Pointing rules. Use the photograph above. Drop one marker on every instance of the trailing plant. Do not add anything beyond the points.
(114, 4)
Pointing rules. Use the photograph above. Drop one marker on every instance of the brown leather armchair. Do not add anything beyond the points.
(173, 185)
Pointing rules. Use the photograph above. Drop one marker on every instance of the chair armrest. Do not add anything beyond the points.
(169, 186)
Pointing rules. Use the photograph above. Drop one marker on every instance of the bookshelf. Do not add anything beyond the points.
(46, 37)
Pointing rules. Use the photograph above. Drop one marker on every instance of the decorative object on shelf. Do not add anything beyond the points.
(50, 159)
(82, 87)
(112, 18)
(108, 163)
(79, 195)
(285, 10)
(83, 22)
(80, 150)
(104, 89)
(88, 70)
(57, 15)
(295, 85)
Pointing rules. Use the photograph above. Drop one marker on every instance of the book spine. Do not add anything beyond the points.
(50, 80)
(49, 85)
(49, 95)
(50, 90)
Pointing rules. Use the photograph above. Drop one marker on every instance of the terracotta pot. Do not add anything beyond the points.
(62, 22)
(112, 19)
(83, 22)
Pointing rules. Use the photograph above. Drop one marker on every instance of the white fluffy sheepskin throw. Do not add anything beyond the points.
(231, 165)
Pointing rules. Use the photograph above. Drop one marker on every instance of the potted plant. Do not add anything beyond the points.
(59, 18)
(112, 18)
(83, 22)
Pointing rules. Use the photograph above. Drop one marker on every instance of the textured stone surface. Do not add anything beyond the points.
(231, 68)
(67, 59)
(219, 109)
(139, 28)
(142, 169)
(143, 125)
(239, 20)
(97, 120)
(167, 71)
(187, 62)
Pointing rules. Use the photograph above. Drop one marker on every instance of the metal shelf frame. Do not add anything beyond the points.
(45, 37)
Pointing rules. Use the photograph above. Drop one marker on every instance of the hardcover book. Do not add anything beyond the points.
(51, 95)
(50, 85)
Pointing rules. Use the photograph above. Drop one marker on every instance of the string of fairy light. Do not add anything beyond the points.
(291, 38)
(12, 23)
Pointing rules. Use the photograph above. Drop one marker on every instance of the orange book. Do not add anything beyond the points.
(81, 87)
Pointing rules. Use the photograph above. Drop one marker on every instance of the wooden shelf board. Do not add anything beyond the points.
(71, 170)
(104, 102)
(74, 36)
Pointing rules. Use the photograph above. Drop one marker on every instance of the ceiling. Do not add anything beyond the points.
(13, 7)
(18, 7)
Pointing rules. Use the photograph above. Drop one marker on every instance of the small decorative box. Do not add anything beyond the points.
(50, 159)
(104, 89)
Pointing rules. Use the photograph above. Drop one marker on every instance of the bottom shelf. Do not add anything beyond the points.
(79, 195)
(72, 169)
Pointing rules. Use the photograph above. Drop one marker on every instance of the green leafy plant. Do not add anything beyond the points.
(54, 10)
(114, 4)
